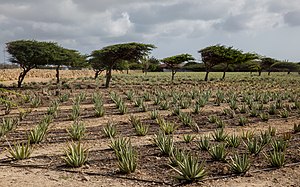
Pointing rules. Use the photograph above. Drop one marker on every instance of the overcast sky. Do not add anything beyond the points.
(268, 27)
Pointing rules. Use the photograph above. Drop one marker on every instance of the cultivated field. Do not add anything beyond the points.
(259, 117)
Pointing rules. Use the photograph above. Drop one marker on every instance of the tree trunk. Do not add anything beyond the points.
(259, 73)
(127, 71)
(57, 74)
(269, 72)
(224, 72)
(289, 72)
(108, 77)
(173, 75)
(206, 76)
(97, 72)
(22, 76)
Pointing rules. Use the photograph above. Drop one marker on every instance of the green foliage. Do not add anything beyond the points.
(127, 157)
(110, 56)
(36, 101)
(188, 138)
(164, 142)
(110, 129)
(254, 146)
(77, 130)
(75, 155)
(177, 155)
(20, 151)
(189, 169)
(243, 120)
(75, 113)
(279, 145)
(276, 159)
(240, 164)
(140, 128)
(174, 62)
(7, 125)
(203, 143)
(166, 126)
(296, 128)
(218, 152)
(38, 133)
(219, 135)
(233, 141)
(218, 54)
(154, 114)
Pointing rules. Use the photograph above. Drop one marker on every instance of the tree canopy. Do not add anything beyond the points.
(30, 54)
(174, 62)
(112, 55)
(218, 54)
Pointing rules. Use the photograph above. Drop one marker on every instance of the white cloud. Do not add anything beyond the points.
(188, 25)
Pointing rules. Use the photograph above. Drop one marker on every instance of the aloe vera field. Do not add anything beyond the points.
(146, 130)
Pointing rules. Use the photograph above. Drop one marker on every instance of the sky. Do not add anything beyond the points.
(267, 27)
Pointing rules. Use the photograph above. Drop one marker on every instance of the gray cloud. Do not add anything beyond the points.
(188, 25)
(292, 18)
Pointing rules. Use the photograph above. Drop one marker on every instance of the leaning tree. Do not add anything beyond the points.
(211, 57)
(174, 62)
(64, 57)
(220, 54)
(28, 54)
(113, 55)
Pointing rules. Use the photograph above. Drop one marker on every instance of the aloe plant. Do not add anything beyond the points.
(218, 152)
(110, 129)
(189, 169)
(75, 155)
(239, 164)
(20, 151)
(77, 130)
(164, 142)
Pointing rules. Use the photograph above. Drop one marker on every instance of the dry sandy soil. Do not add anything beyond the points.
(46, 168)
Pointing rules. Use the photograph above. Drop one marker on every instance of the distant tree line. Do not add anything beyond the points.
(30, 54)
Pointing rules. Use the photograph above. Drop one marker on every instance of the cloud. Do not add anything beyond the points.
(292, 18)
(186, 24)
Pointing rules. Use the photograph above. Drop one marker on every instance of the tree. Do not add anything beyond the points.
(28, 54)
(266, 64)
(149, 64)
(174, 62)
(220, 54)
(286, 66)
(97, 64)
(115, 54)
(211, 57)
(65, 57)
